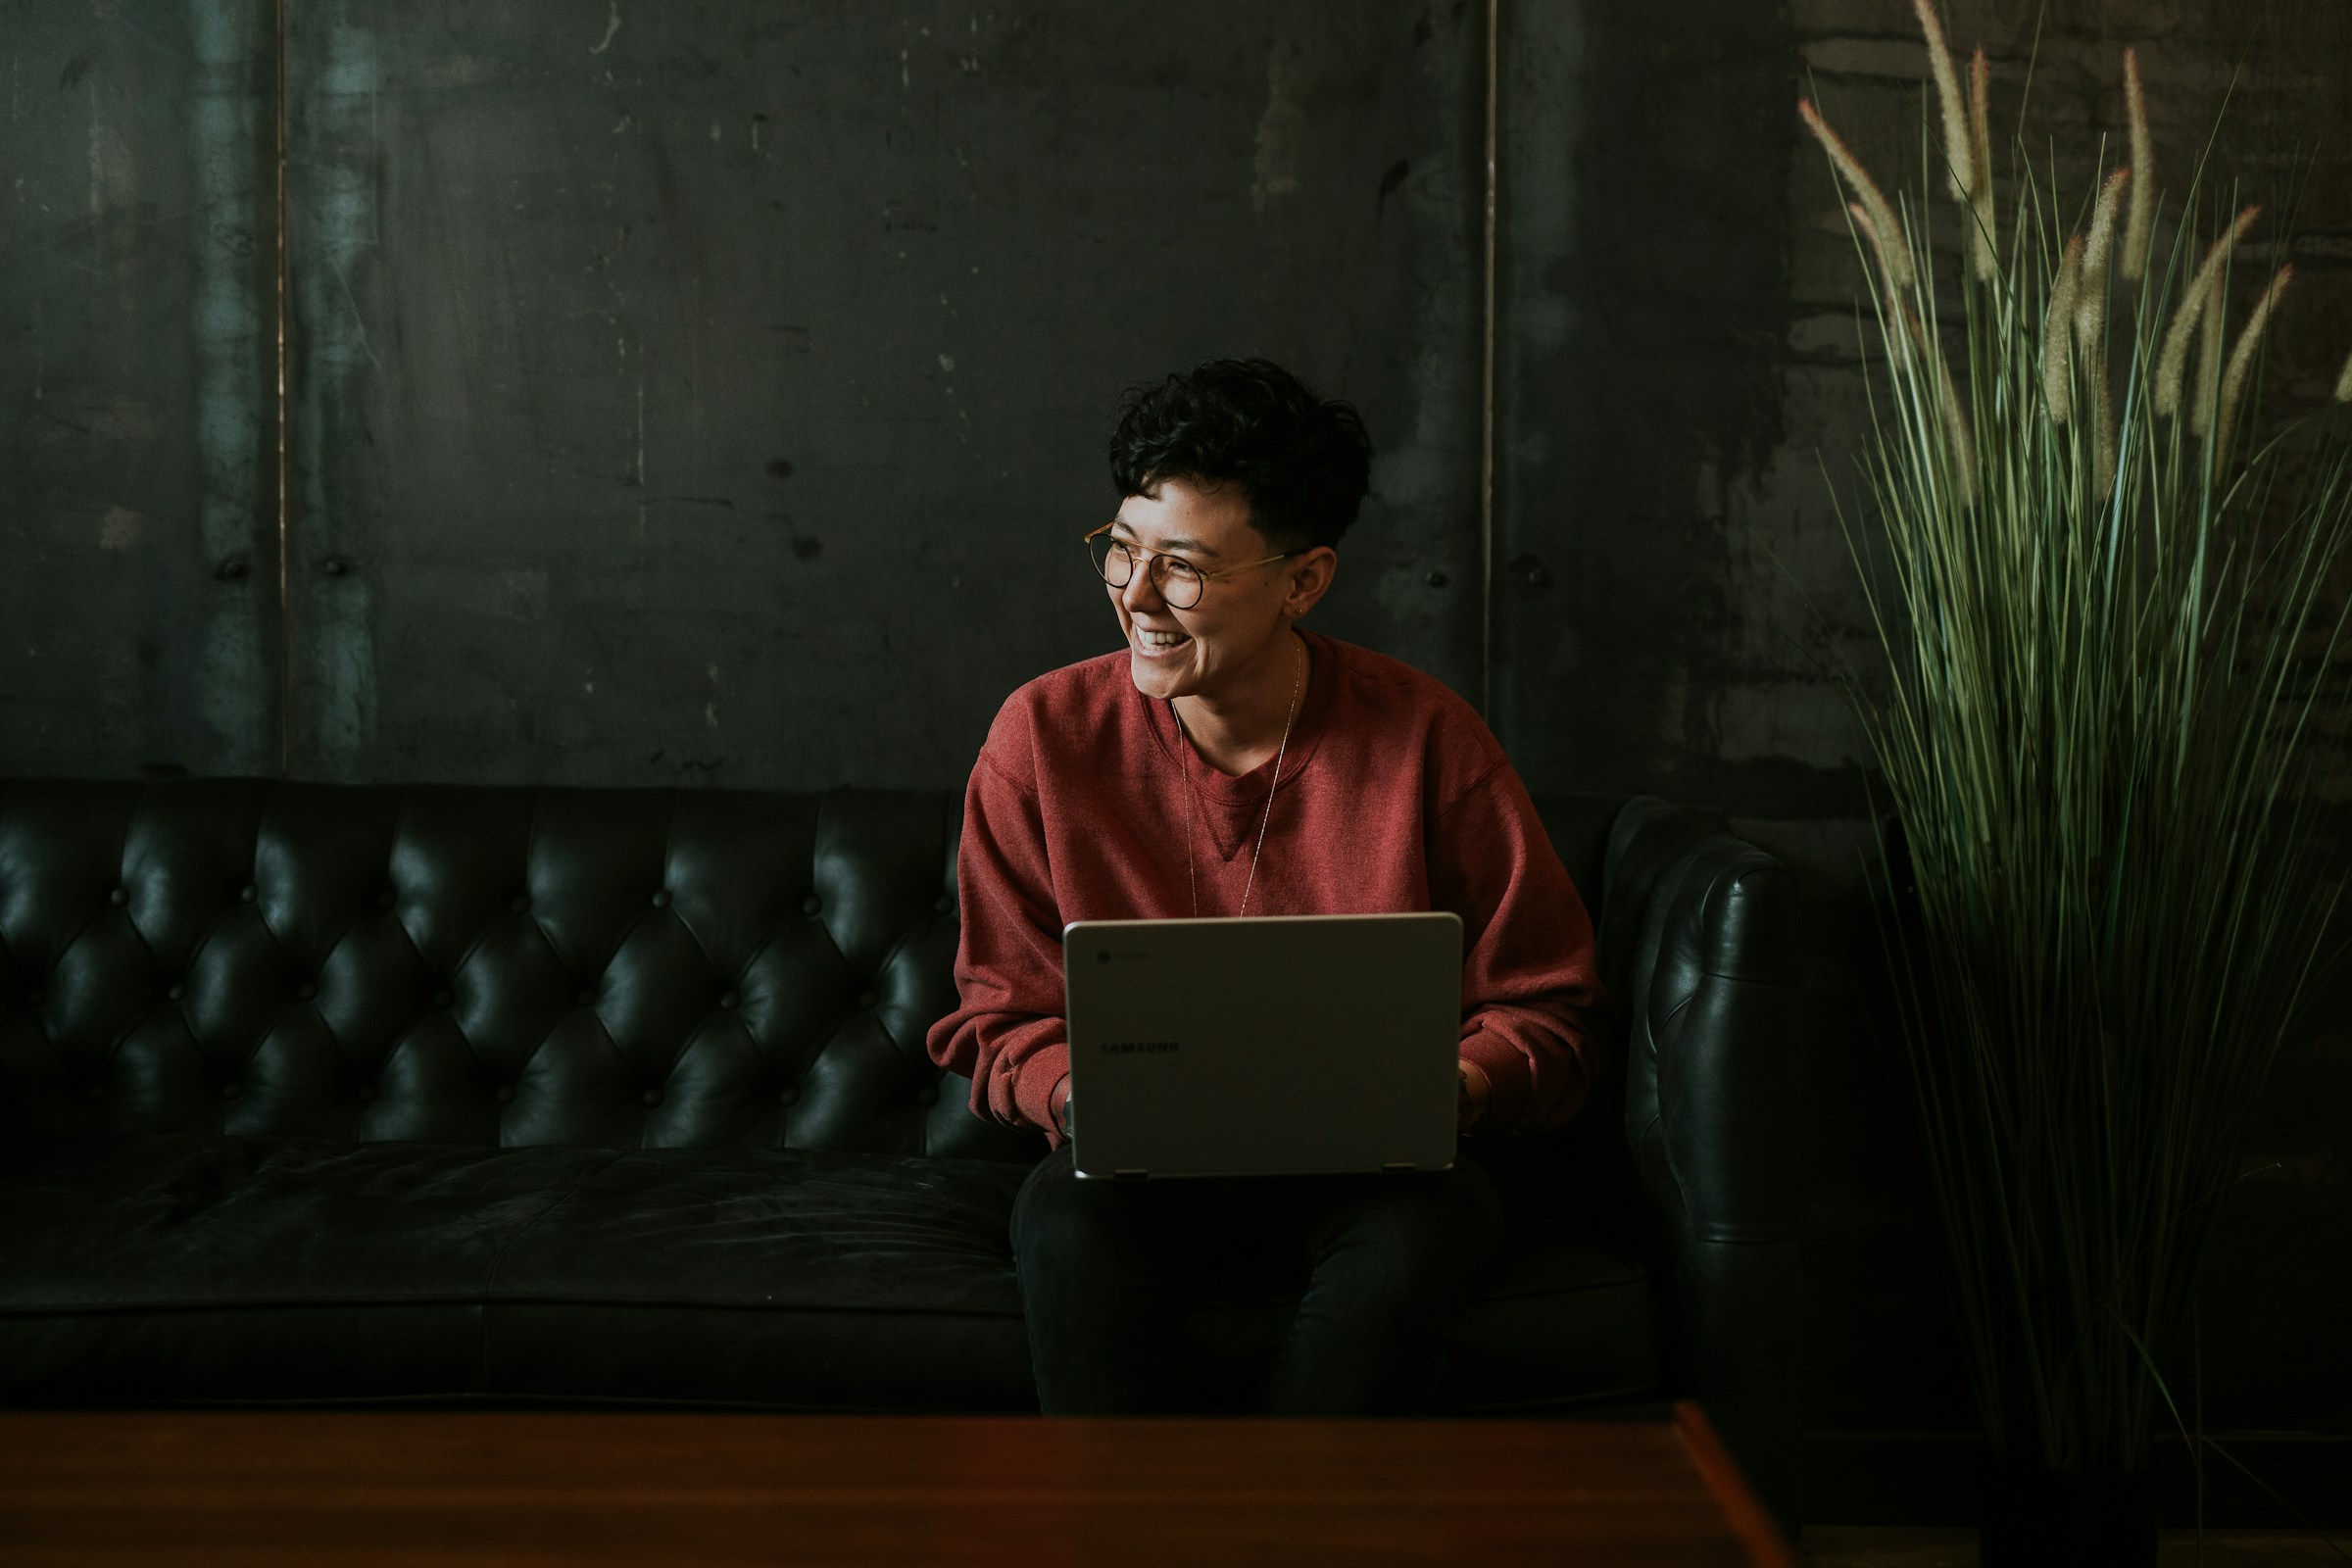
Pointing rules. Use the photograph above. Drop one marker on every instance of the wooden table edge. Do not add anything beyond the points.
(1757, 1530)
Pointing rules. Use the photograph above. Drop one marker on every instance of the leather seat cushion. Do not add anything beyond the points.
(178, 1268)
(198, 1268)
(773, 1277)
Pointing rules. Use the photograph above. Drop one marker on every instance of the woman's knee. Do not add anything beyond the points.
(1449, 1220)
(1056, 1212)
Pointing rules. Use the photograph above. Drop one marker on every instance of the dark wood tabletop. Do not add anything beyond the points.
(392, 1487)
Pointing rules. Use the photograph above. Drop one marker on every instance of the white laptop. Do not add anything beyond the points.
(1280, 1045)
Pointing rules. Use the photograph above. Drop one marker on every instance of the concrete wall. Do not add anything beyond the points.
(139, 626)
(715, 392)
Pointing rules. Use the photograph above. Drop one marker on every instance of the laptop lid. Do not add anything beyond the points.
(1281, 1045)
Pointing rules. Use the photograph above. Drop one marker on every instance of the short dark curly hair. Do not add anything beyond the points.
(1303, 463)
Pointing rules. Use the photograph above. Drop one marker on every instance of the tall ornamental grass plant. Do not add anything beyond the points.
(2105, 600)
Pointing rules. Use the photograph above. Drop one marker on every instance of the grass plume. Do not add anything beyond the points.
(2090, 299)
(1894, 251)
(2057, 335)
(1868, 228)
(2213, 323)
(2142, 230)
(1959, 146)
(2171, 363)
(2241, 357)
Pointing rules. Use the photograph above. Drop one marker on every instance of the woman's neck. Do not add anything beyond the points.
(1239, 732)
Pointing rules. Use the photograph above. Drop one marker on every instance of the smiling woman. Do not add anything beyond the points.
(1225, 655)
(1221, 473)
(1226, 763)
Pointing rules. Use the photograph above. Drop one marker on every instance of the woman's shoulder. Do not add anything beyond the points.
(1096, 685)
(1059, 708)
(1408, 709)
(1403, 693)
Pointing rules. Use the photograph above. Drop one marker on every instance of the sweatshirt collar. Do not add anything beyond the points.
(1306, 734)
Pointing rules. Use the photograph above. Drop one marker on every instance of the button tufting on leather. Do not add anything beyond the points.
(928, 1095)
(652, 1097)
(349, 870)
(520, 904)
(586, 997)
(117, 898)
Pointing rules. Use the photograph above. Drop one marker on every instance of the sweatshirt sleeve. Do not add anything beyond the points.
(1006, 1033)
(1531, 989)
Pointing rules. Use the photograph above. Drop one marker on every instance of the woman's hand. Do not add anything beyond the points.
(1474, 1098)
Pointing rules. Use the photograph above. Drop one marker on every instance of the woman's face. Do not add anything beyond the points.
(1210, 648)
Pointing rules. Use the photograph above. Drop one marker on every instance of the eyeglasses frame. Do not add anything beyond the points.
(1144, 558)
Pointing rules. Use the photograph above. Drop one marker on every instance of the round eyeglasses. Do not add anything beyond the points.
(1179, 581)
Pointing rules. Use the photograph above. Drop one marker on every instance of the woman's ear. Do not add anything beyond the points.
(1309, 579)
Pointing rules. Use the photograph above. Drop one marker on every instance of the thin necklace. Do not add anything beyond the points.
(1185, 756)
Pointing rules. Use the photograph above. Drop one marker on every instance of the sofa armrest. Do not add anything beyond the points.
(1702, 950)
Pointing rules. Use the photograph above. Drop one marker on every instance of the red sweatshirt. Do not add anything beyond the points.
(1393, 797)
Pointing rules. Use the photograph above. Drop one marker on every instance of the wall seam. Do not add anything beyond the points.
(285, 610)
(1487, 374)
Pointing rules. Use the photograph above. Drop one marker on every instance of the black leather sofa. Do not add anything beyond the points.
(316, 1093)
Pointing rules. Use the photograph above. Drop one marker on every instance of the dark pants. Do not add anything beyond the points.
(1110, 1270)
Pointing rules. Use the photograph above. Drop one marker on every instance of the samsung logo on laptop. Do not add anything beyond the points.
(1136, 1048)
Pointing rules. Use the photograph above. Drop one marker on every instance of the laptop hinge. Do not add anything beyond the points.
(1396, 1166)
(1129, 1175)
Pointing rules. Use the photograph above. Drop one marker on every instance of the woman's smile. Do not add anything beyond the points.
(1153, 643)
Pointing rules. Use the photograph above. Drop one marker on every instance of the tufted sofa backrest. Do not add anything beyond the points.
(626, 968)
(616, 969)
